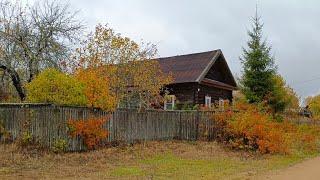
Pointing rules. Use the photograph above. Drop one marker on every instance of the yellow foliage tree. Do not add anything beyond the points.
(53, 86)
(133, 75)
(314, 105)
(97, 88)
(282, 97)
(148, 82)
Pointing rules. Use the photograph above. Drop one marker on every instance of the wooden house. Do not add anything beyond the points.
(200, 78)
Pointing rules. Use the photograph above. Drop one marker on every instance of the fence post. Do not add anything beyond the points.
(197, 124)
(180, 126)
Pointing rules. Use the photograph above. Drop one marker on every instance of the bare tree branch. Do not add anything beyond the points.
(35, 37)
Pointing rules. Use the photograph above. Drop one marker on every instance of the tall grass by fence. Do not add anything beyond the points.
(48, 124)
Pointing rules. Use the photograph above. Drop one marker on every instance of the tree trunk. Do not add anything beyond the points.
(15, 80)
(31, 74)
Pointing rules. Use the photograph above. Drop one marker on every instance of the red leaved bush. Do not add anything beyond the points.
(252, 129)
(90, 130)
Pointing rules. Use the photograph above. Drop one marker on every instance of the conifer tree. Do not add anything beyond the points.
(258, 65)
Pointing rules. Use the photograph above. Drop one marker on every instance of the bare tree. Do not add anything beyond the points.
(35, 37)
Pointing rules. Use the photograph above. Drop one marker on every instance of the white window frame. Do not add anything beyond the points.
(170, 103)
(221, 104)
(207, 101)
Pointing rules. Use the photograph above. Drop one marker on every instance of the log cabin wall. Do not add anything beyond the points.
(185, 92)
(194, 93)
(213, 92)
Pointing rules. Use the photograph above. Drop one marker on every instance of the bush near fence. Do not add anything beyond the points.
(49, 124)
(253, 129)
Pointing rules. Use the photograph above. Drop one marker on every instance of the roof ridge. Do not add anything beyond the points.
(188, 54)
(209, 65)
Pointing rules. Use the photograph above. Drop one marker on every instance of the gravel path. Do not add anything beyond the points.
(308, 170)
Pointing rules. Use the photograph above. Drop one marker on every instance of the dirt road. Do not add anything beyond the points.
(307, 170)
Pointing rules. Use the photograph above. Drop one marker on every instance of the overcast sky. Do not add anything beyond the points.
(187, 26)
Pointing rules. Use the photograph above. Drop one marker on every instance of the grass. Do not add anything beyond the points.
(127, 171)
(152, 160)
(172, 166)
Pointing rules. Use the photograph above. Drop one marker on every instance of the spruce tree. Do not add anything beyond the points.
(258, 65)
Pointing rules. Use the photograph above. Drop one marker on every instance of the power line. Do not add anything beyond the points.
(306, 81)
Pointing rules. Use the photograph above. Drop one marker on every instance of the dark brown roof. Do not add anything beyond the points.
(189, 67)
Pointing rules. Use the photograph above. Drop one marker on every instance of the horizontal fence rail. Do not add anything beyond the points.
(48, 123)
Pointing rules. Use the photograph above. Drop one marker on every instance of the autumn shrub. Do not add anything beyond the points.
(306, 137)
(249, 128)
(90, 130)
(26, 139)
(53, 86)
(59, 145)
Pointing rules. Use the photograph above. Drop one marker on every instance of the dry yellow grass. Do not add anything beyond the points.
(152, 160)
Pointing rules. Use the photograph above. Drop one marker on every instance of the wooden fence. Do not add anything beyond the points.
(48, 123)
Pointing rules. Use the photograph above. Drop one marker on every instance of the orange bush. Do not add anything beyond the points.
(307, 137)
(252, 129)
(258, 131)
(90, 130)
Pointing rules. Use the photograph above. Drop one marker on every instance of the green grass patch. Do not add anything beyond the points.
(170, 166)
(5, 170)
(127, 171)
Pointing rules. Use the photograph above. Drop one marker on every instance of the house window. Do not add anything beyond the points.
(221, 104)
(169, 102)
(208, 101)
